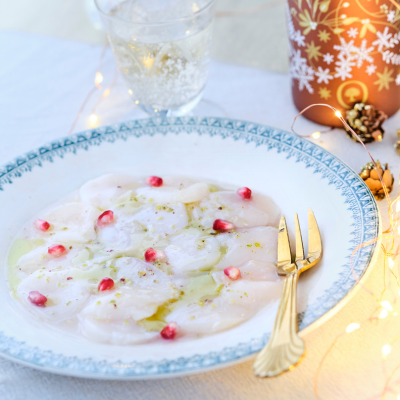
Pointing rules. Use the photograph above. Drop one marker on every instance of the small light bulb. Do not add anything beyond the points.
(187, 32)
(137, 102)
(386, 349)
(338, 114)
(130, 91)
(98, 78)
(316, 135)
(383, 314)
(391, 263)
(352, 327)
(387, 305)
(93, 119)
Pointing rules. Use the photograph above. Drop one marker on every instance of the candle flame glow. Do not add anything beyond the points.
(383, 314)
(386, 349)
(387, 305)
(352, 327)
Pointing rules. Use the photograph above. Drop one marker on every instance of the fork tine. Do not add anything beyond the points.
(314, 239)
(284, 255)
(299, 239)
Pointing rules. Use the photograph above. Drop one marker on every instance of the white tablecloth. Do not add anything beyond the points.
(43, 82)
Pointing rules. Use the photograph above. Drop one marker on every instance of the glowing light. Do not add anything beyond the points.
(386, 349)
(187, 32)
(387, 305)
(345, 5)
(383, 314)
(338, 114)
(316, 135)
(148, 62)
(391, 262)
(93, 119)
(195, 7)
(130, 91)
(352, 327)
(137, 102)
(98, 78)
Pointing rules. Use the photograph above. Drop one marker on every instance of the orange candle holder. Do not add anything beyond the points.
(344, 52)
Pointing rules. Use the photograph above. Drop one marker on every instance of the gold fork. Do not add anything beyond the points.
(285, 348)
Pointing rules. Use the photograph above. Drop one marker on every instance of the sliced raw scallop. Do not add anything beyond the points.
(251, 271)
(168, 194)
(191, 251)
(257, 211)
(123, 236)
(236, 303)
(258, 244)
(65, 297)
(103, 192)
(40, 258)
(71, 223)
(162, 219)
(105, 315)
(141, 274)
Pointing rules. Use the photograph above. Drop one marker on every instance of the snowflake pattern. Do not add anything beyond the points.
(328, 58)
(390, 17)
(294, 35)
(386, 41)
(323, 75)
(361, 54)
(300, 70)
(345, 49)
(352, 32)
(344, 67)
(371, 69)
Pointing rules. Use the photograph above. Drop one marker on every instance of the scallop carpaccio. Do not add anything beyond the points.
(129, 260)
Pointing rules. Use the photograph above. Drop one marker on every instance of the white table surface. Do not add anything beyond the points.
(43, 82)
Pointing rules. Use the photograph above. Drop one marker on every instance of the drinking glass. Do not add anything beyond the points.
(162, 50)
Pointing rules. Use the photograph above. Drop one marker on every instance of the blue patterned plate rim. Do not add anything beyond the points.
(358, 196)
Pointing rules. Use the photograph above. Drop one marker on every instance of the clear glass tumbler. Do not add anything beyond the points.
(162, 48)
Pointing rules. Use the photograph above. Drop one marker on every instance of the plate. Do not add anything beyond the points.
(296, 173)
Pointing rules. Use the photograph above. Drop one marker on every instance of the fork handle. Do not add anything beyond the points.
(285, 348)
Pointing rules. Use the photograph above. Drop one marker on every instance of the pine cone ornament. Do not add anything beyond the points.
(366, 121)
(371, 178)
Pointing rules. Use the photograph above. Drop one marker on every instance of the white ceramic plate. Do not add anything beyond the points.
(296, 173)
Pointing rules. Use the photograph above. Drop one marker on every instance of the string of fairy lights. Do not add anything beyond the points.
(386, 241)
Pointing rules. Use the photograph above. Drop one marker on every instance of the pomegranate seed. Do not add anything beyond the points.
(155, 181)
(38, 299)
(151, 255)
(222, 225)
(69, 278)
(105, 284)
(106, 218)
(244, 193)
(232, 273)
(169, 331)
(57, 250)
(42, 225)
